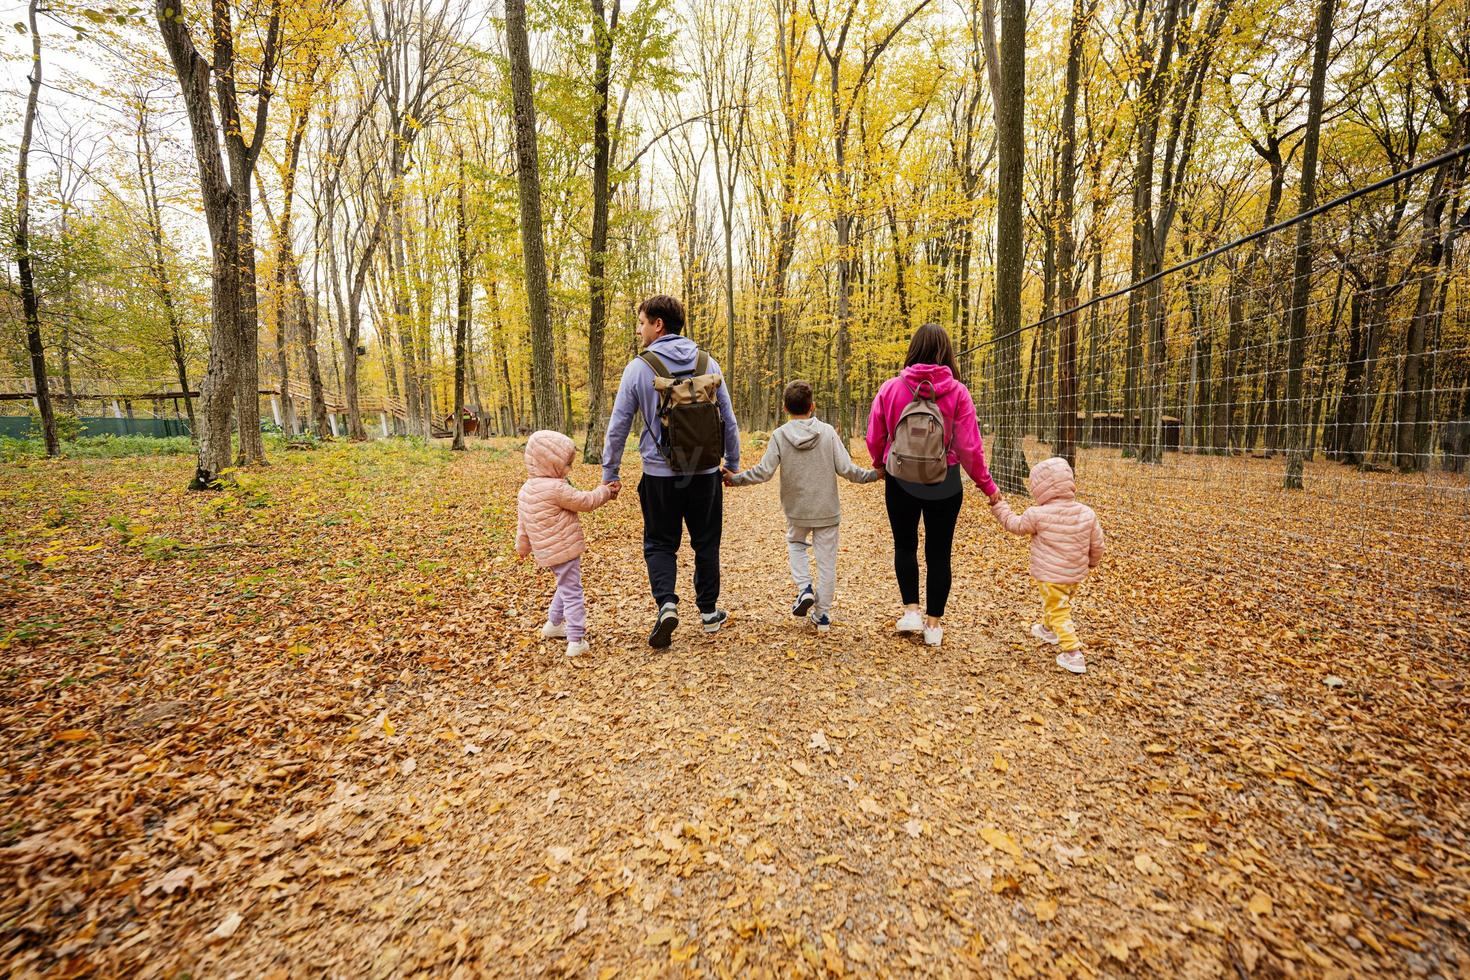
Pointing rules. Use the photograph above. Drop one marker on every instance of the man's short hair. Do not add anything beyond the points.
(798, 397)
(665, 308)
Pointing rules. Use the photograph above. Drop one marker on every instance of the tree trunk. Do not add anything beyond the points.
(1009, 461)
(533, 247)
(23, 248)
(462, 321)
(222, 208)
(247, 392)
(597, 254)
(280, 301)
(1066, 440)
(1411, 435)
(1301, 282)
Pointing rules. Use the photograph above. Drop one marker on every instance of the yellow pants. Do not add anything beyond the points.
(1056, 613)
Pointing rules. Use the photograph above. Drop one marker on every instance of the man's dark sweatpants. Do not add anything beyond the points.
(669, 504)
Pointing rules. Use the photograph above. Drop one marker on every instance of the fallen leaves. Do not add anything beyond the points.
(1260, 904)
(1145, 863)
(226, 929)
(1001, 841)
(184, 876)
(358, 726)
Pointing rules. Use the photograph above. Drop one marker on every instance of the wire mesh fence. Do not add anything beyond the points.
(1191, 401)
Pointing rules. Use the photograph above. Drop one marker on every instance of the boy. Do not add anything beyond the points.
(811, 457)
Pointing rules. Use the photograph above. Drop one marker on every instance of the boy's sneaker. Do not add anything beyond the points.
(575, 648)
(805, 599)
(553, 631)
(911, 622)
(933, 636)
(664, 626)
(1072, 660)
(1044, 635)
(823, 623)
(713, 621)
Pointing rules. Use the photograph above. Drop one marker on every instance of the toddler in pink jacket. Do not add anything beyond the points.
(1066, 542)
(548, 527)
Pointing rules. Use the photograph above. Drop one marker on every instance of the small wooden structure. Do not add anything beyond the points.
(442, 426)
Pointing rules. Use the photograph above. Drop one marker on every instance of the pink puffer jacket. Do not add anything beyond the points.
(1066, 538)
(547, 524)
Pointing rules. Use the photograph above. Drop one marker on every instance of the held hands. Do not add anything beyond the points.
(726, 475)
(995, 498)
(615, 487)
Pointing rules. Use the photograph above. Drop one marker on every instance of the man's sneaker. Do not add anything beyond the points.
(823, 623)
(1072, 660)
(664, 626)
(575, 648)
(933, 636)
(911, 622)
(1044, 635)
(804, 602)
(553, 631)
(713, 621)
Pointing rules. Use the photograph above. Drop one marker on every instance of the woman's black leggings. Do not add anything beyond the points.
(939, 505)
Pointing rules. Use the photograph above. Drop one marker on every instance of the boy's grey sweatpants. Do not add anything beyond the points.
(801, 540)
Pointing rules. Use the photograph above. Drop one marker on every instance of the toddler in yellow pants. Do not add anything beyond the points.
(1066, 543)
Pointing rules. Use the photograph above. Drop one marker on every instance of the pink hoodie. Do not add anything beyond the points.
(1066, 538)
(547, 524)
(953, 398)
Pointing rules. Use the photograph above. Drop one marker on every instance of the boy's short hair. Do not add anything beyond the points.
(798, 397)
(665, 308)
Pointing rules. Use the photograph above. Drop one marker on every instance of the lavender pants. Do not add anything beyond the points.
(567, 605)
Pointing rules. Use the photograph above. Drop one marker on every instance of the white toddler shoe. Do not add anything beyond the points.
(553, 631)
(575, 648)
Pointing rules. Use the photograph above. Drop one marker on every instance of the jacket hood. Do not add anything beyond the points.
(937, 375)
(676, 351)
(549, 454)
(801, 433)
(1052, 479)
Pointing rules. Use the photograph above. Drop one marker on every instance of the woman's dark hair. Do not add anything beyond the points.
(931, 346)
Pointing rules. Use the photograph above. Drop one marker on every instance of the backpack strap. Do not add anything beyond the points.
(654, 361)
(701, 363)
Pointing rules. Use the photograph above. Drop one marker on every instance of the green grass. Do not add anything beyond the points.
(97, 447)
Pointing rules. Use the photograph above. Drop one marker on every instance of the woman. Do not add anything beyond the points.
(929, 372)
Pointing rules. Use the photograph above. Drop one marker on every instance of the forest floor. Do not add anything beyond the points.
(306, 726)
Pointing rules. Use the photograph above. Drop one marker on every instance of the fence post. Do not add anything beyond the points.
(1066, 445)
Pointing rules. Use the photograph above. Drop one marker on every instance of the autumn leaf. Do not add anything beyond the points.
(1001, 841)
(1260, 904)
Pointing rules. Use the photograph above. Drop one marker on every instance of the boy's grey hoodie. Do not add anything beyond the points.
(811, 457)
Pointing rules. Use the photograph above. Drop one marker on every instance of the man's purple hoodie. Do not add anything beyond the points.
(637, 397)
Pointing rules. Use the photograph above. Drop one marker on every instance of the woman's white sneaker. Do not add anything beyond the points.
(910, 622)
(575, 648)
(933, 635)
(553, 631)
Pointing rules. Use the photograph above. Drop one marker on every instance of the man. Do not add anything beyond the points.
(671, 500)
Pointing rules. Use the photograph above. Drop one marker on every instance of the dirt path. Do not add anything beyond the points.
(1199, 804)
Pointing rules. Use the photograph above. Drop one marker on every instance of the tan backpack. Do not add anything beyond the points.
(918, 451)
(692, 436)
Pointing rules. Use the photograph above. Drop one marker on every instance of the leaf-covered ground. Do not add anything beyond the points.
(307, 726)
